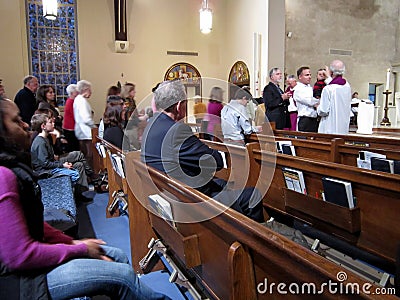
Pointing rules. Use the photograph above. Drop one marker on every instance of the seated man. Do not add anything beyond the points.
(44, 163)
(235, 122)
(170, 146)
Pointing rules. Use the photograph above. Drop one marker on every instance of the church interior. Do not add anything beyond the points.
(228, 255)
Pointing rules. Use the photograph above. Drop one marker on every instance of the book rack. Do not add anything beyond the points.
(313, 210)
(186, 247)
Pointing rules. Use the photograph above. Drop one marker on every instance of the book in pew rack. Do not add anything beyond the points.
(294, 180)
(338, 192)
(396, 167)
(162, 208)
(382, 164)
(364, 159)
(285, 147)
(118, 164)
(101, 149)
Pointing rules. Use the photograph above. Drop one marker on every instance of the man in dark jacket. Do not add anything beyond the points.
(276, 101)
(26, 99)
(170, 146)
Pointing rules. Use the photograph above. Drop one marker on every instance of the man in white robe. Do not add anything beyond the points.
(335, 104)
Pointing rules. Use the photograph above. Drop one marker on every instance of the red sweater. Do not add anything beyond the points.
(69, 121)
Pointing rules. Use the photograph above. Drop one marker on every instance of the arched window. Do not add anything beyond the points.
(53, 46)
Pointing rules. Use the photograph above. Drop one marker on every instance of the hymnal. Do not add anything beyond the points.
(364, 159)
(288, 149)
(162, 208)
(280, 144)
(294, 180)
(382, 164)
(338, 192)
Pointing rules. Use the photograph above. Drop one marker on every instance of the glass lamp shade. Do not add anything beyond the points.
(50, 9)
(205, 20)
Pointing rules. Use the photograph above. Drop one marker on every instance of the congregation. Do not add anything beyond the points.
(62, 145)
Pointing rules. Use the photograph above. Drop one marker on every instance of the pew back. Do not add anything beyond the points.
(373, 228)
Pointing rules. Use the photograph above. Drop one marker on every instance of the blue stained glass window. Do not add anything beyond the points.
(53, 51)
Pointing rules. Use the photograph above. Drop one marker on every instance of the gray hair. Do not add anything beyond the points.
(83, 85)
(71, 89)
(272, 71)
(216, 94)
(28, 78)
(291, 77)
(337, 67)
(169, 93)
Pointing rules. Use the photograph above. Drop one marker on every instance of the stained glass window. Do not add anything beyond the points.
(53, 46)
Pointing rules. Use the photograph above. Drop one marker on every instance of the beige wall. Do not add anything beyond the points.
(276, 34)
(368, 28)
(13, 51)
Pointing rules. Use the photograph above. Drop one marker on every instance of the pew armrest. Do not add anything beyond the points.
(185, 248)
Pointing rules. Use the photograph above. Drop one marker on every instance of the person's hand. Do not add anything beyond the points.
(258, 128)
(285, 96)
(67, 165)
(56, 133)
(94, 249)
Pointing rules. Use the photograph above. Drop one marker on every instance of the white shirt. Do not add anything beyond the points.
(303, 95)
(83, 118)
(235, 122)
(335, 109)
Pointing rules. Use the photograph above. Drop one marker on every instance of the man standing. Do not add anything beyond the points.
(292, 108)
(319, 84)
(170, 146)
(276, 101)
(306, 103)
(26, 99)
(335, 105)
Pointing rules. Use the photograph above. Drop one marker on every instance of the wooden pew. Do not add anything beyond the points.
(99, 162)
(380, 142)
(371, 226)
(335, 150)
(228, 256)
(116, 183)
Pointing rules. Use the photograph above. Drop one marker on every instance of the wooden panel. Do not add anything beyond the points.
(184, 247)
(345, 218)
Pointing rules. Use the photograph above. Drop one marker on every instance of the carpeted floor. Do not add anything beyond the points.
(115, 232)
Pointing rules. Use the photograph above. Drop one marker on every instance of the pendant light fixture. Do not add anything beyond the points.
(205, 18)
(50, 9)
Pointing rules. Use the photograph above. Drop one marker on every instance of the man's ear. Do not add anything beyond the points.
(178, 106)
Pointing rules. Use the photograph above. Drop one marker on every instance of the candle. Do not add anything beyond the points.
(387, 79)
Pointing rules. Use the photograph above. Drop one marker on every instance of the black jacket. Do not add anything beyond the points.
(275, 107)
(26, 102)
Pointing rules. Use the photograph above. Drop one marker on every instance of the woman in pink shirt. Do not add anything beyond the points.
(214, 108)
(69, 121)
(36, 260)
